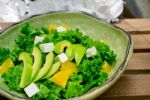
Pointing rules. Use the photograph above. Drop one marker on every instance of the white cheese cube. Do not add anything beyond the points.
(27, 2)
(31, 89)
(38, 39)
(62, 57)
(47, 47)
(61, 29)
(91, 52)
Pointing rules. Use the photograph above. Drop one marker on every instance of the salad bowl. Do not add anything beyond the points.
(118, 40)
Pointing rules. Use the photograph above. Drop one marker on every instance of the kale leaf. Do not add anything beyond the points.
(12, 77)
(4, 54)
(74, 86)
(48, 91)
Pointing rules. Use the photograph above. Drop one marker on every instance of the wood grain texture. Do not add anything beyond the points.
(141, 41)
(3, 26)
(136, 26)
(130, 85)
(139, 61)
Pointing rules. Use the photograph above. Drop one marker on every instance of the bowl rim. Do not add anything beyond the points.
(121, 67)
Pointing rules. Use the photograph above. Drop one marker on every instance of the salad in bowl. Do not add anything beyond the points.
(55, 62)
(61, 55)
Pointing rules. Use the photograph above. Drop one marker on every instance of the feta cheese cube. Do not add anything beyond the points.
(62, 57)
(61, 29)
(31, 89)
(38, 39)
(91, 52)
(46, 47)
(27, 2)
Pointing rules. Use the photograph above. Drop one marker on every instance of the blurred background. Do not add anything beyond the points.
(137, 8)
(108, 10)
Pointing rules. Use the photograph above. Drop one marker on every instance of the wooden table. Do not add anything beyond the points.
(134, 84)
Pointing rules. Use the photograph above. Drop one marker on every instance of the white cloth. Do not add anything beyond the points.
(104, 9)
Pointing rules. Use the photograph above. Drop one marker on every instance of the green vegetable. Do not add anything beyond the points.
(53, 70)
(4, 54)
(47, 66)
(24, 42)
(89, 71)
(70, 52)
(27, 29)
(12, 77)
(74, 87)
(27, 69)
(106, 53)
(37, 62)
(76, 51)
(48, 91)
(60, 46)
(43, 93)
(79, 53)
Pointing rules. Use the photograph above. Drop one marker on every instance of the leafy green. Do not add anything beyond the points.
(89, 72)
(73, 36)
(106, 53)
(76, 37)
(24, 42)
(4, 54)
(43, 93)
(89, 67)
(74, 86)
(26, 29)
(12, 77)
(48, 91)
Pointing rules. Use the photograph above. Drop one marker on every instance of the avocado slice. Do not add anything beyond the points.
(47, 66)
(70, 52)
(60, 46)
(76, 51)
(27, 69)
(37, 62)
(53, 70)
(79, 53)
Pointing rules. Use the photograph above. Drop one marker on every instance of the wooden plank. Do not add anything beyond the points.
(135, 25)
(128, 86)
(139, 24)
(139, 61)
(122, 24)
(124, 98)
(141, 41)
(3, 26)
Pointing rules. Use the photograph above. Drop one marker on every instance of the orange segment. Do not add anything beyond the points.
(52, 27)
(106, 67)
(61, 78)
(69, 65)
(6, 65)
(65, 26)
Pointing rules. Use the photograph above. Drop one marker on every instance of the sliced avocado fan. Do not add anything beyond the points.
(47, 66)
(27, 69)
(75, 51)
(37, 62)
(60, 46)
(53, 70)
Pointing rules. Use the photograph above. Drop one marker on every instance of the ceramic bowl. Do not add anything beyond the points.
(119, 40)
